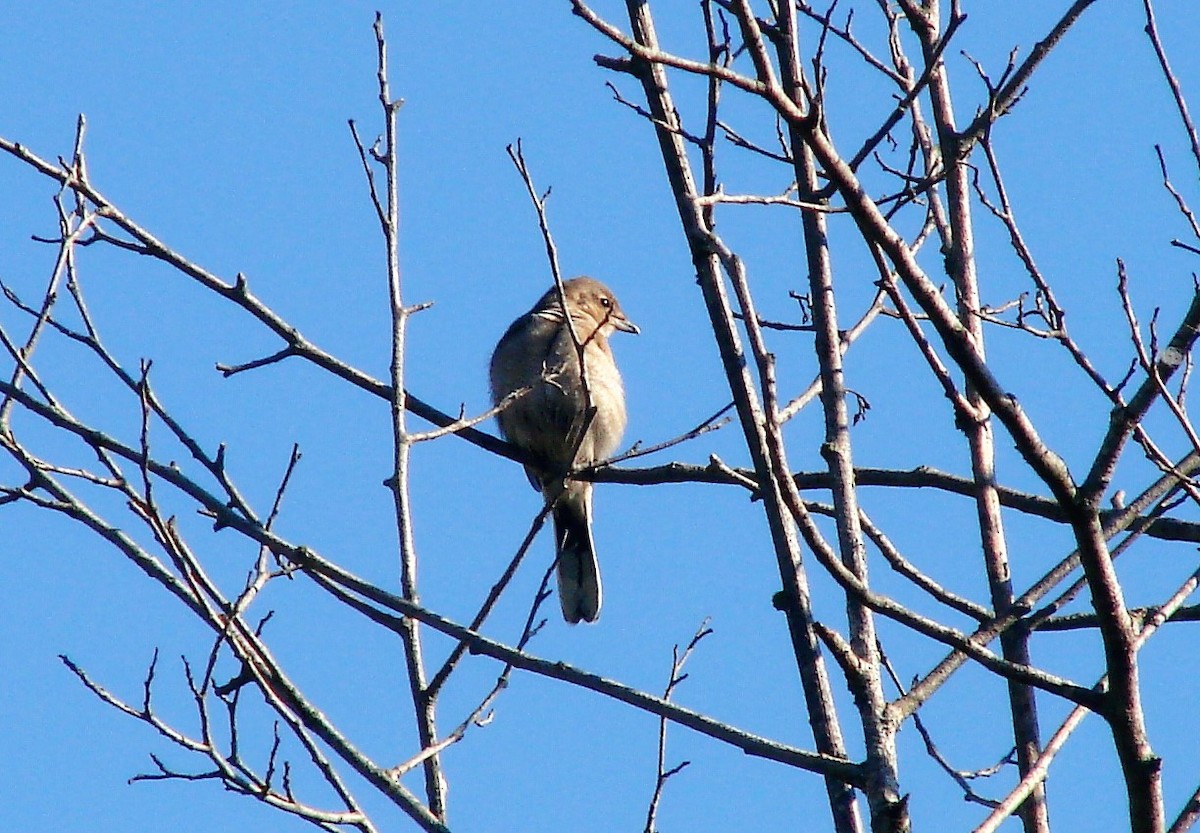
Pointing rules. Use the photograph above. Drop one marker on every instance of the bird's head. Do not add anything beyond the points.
(593, 308)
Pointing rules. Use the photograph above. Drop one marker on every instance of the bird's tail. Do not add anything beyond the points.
(578, 572)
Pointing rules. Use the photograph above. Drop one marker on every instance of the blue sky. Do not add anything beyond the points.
(221, 127)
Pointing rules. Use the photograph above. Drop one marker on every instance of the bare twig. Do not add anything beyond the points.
(665, 773)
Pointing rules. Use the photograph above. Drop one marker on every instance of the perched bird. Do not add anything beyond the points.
(551, 425)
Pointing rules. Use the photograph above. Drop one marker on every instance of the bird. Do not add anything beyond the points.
(538, 352)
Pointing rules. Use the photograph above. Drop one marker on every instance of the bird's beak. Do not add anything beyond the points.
(625, 325)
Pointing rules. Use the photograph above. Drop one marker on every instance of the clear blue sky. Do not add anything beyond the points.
(221, 127)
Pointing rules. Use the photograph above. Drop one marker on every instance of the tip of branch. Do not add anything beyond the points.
(625, 65)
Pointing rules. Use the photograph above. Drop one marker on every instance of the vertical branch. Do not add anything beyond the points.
(425, 703)
(665, 774)
(959, 249)
(888, 809)
(580, 428)
(771, 468)
(1172, 81)
(71, 227)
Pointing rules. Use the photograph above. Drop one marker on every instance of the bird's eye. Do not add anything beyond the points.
(605, 301)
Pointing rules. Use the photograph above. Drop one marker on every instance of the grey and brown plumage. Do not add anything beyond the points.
(537, 351)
